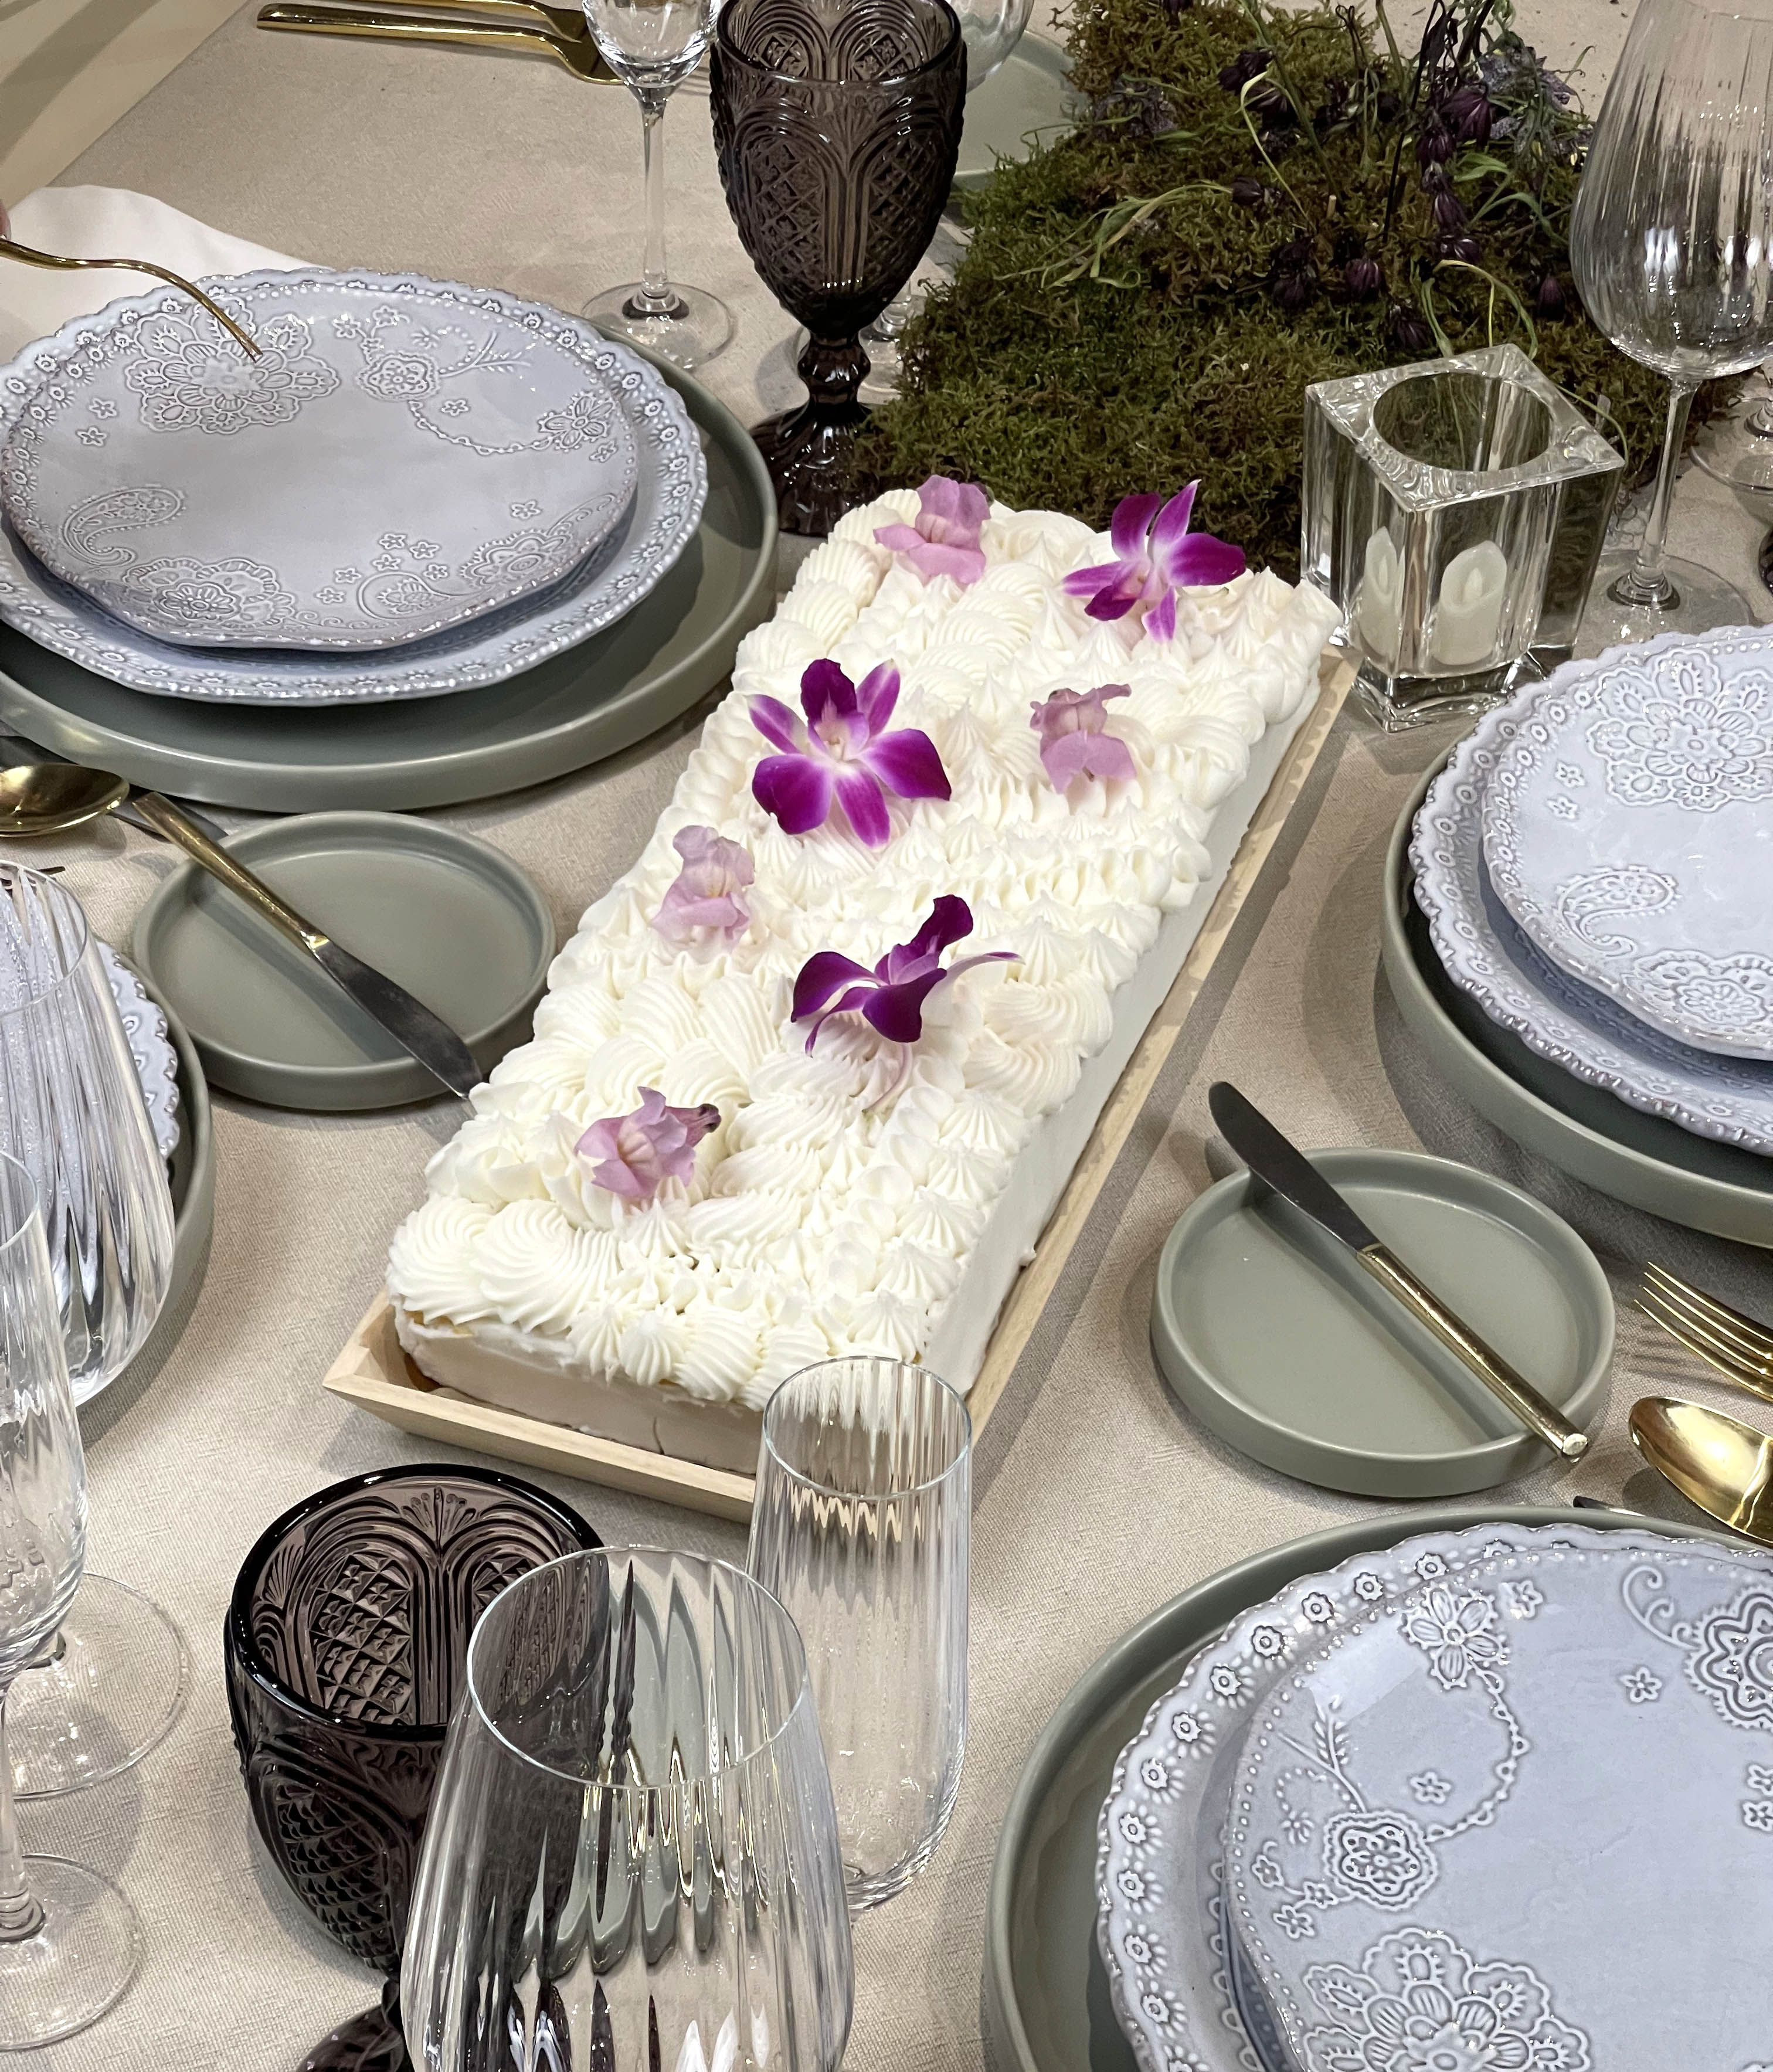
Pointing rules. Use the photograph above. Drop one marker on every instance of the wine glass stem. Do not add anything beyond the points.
(655, 295)
(1647, 584)
(20, 1915)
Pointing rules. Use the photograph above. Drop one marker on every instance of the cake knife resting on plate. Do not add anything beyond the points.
(1281, 1165)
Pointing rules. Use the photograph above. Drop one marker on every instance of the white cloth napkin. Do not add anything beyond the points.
(106, 223)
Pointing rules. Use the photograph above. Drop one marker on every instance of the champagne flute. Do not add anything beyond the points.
(652, 46)
(1670, 242)
(68, 1940)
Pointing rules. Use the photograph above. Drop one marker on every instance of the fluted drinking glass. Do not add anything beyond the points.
(861, 1527)
(68, 1942)
(1672, 245)
(631, 1859)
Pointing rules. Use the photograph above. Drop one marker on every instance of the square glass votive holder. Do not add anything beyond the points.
(1453, 511)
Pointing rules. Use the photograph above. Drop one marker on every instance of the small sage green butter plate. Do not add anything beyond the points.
(447, 916)
(1044, 2001)
(1274, 1336)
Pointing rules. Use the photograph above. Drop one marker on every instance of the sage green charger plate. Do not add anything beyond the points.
(1028, 96)
(594, 700)
(1044, 1996)
(448, 917)
(1641, 1159)
(1274, 1336)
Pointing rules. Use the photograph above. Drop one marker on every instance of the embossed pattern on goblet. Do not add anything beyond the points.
(344, 1646)
(837, 128)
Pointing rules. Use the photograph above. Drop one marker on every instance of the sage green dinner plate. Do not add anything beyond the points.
(449, 918)
(1044, 1999)
(1028, 98)
(1274, 1336)
(594, 700)
(1641, 1159)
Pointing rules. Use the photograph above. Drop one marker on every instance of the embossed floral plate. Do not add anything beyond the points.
(1160, 1853)
(150, 1048)
(1628, 828)
(603, 587)
(1483, 950)
(399, 458)
(1521, 1818)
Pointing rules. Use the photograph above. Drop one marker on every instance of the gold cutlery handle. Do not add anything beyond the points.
(162, 815)
(1491, 1369)
(30, 256)
(330, 21)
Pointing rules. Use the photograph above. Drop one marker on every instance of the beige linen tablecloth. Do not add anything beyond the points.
(1097, 1499)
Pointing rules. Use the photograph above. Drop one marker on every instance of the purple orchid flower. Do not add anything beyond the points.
(637, 1153)
(844, 752)
(891, 996)
(1156, 555)
(704, 898)
(1073, 742)
(945, 539)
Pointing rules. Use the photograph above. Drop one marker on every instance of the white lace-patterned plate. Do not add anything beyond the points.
(1628, 828)
(389, 466)
(1521, 1818)
(156, 1062)
(1483, 951)
(1160, 1837)
(659, 525)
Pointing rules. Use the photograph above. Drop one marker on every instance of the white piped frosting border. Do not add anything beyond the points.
(846, 1197)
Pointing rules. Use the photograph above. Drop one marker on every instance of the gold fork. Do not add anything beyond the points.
(10, 248)
(577, 52)
(1738, 1346)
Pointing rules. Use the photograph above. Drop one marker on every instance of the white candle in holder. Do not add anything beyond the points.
(1470, 612)
(1379, 614)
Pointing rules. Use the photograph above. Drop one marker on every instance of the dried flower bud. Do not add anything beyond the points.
(1364, 276)
(1408, 329)
(1293, 276)
(1467, 114)
(1269, 104)
(1435, 143)
(1436, 180)
(1246, 193)
(1244, 68)
(1459, 244)
(1449, 211)
(1387, 107)
(1548, 304)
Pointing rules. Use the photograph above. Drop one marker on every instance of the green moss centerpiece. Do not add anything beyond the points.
(1254, 201)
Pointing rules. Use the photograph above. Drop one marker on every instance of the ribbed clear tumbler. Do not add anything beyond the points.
(862, 1529)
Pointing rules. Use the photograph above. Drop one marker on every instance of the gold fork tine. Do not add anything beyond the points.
(1747, 1346)
(1757, 1337)
(10, 248)
(1715, 1353)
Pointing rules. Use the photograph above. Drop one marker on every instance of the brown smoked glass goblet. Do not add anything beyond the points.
(836, 126)
(346, 1643)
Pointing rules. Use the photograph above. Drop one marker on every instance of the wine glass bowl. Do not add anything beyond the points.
(632, 1858)
(837, 130)
(344, 1649)
(1672, 248)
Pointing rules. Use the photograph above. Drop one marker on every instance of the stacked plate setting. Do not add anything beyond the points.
(416, 487)
(1491, 1799)
(1594, 866)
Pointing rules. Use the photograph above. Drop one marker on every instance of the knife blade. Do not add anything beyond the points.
(1281, 1165)
(420, 1032)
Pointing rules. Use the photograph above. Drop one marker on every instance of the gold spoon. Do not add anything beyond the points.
(10, 248)
(44, 797)
(1723, 1465)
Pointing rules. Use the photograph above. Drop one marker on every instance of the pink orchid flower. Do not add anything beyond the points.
(1156, 555)
(637, 1153)
(704, 898)
(844, 753)
(945, 539)
(1073, 742)
(891, 996)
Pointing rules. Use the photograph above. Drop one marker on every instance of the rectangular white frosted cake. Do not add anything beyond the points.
(872, 1195)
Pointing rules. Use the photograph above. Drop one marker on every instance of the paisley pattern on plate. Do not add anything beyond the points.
(285, 501)
(1628, 828)
(156, 1062)
(1505, 1926)
(661, 524)
(1485, 953)
(1160, 1924)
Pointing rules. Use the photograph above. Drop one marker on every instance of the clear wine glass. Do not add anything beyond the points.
(652, 46)
(1672, 246)
(72, 1109)
(68, 1940)
(632, 1859)
(860, 1527)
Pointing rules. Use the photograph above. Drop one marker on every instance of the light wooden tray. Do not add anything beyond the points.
(373, 1372)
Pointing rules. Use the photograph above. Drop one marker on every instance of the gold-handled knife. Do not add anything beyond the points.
(577, 53)
(1286, 1169)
